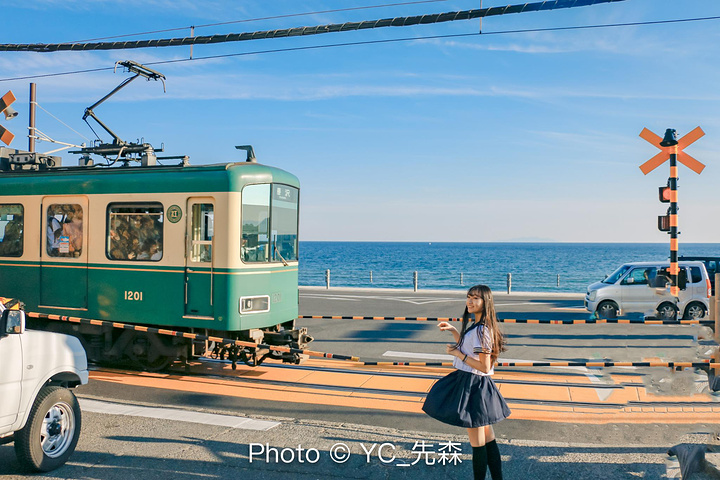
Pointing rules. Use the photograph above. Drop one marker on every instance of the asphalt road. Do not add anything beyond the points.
(114, 446)
(421, 340)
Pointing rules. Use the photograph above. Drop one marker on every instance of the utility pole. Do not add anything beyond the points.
(31, 125)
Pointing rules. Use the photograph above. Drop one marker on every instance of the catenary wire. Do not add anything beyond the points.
(372, 42)
(546, 5)
(275, 17)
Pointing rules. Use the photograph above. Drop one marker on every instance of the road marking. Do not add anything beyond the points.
(428, 356)
(331, 297)
(436, 356)
(176, 414)
(602, 393)
(518, 303)
(415, 300)
(412, 300)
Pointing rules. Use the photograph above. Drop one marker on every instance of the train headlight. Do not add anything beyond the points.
(257, 304)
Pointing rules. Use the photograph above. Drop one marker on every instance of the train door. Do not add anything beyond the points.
(199, 258)
(64, 253)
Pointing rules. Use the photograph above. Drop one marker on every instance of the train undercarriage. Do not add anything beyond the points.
(151, 351)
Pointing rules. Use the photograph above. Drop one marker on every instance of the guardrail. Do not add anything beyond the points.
(426, 279)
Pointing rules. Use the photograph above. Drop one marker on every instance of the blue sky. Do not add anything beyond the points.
(503, 137)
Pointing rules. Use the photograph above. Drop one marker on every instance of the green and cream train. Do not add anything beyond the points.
(209, 249)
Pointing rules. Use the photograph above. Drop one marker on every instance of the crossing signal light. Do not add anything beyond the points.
(664, 223)
(664, 194)
(5, 135)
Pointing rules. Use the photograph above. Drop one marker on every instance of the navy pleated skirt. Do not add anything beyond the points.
(464, 399)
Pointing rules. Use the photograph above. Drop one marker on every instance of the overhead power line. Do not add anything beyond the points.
(372, 42)
(306, 31)
(248, 20)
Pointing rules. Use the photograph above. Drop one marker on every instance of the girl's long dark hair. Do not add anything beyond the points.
(486, 317)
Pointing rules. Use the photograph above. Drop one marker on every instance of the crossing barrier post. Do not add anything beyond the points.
(715, 307)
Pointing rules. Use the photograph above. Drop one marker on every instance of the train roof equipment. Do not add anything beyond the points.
(122, 150)
(14, 160)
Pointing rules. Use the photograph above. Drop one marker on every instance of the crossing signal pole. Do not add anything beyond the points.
(672, 149)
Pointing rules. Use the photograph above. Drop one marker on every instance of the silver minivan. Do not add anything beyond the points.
(643, 287)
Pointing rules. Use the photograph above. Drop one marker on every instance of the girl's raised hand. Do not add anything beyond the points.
(446, 326)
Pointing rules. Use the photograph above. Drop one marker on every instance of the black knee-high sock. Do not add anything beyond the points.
(480, 462)
(494, 460)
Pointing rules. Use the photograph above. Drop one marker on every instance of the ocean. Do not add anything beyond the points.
(535, 267)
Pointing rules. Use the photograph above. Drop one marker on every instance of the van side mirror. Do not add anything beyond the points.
(12, 322)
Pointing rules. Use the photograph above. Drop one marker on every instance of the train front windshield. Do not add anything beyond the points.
(269, 223)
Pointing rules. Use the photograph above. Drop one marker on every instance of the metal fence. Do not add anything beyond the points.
(419, 279)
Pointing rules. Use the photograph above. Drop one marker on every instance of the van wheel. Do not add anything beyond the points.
(695, 311)
(607, 309)
(667, 311)
(52, 430)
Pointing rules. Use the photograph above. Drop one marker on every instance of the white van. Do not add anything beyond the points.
(643, 287)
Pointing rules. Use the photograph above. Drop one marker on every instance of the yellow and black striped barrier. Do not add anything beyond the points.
(191, 336)
(407, 364)
(353, 317)
(521, 320)
(702, 364)
(195, 336)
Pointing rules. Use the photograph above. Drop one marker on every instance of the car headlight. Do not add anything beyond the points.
(592, 295)
(257, 304)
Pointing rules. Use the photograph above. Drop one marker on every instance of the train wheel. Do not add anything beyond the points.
(149, 353)
(152, 363)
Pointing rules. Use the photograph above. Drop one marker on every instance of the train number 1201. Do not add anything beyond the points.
(136, 296)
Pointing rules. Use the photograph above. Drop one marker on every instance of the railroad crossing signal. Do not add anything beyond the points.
(671, 149)
(682, 157)
(5, 136)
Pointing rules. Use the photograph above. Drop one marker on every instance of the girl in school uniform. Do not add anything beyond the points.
(468, 397)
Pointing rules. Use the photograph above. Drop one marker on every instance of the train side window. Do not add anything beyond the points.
(11, 230)
(202, 232)
(255, 223)
(135, 232)
(64, 230)
(284, 220)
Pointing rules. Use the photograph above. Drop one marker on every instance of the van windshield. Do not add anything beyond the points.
(615, 276)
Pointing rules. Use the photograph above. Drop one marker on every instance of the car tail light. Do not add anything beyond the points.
(709, 288)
